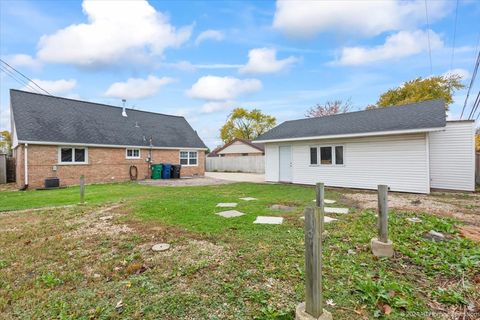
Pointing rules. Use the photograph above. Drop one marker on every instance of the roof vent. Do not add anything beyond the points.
(124, 111)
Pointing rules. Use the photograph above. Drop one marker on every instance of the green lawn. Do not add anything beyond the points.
(218, 268)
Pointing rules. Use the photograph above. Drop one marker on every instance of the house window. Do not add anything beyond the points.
(326, 155)
(338, 154)
(244, 154)
(313, 155)
(68, 155)
(188, 158)
(133, 154)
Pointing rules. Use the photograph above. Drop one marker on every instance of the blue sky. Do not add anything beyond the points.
(202, 59)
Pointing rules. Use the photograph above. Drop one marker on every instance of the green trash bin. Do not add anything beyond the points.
(156, 171)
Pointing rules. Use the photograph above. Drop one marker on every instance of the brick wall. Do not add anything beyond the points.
(104, 165)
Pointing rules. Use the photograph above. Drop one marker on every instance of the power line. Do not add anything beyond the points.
(428, 37)
(454, 35)
(30, 80)
(475, 106)
(19, 80)
(472, 80)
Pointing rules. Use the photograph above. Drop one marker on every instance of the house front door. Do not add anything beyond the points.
(285, 164)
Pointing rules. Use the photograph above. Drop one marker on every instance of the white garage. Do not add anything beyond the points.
(410, 148)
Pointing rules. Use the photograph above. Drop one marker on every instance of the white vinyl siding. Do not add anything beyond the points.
(452, 157)
(401, 162)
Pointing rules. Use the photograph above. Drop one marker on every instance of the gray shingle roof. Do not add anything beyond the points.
(41, 117)
(422, 115)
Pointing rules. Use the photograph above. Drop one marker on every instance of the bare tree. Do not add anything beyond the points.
(329, 108)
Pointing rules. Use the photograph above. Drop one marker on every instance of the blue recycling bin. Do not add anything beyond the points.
(166, 171)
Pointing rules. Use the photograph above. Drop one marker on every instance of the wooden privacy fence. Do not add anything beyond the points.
(253, 164)
(3, 168)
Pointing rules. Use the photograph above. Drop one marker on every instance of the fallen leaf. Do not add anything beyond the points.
(387, 309)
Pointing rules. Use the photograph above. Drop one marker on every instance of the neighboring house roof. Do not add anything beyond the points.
(43, 118)
(424, 116)
(213, 153)
(258, 146)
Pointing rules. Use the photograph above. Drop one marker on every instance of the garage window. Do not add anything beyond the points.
(339, 155)
(313, 155)
(326, 155)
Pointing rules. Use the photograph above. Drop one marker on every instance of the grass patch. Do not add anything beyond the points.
(53, 266)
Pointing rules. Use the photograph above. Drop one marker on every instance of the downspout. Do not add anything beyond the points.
(25, 166)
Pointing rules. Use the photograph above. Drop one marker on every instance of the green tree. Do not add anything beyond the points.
(5, 141)
(245, 124)
(421, 89)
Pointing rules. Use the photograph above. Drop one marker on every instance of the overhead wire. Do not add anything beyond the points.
(19, 80)
(472, 81)
(21, 74)
(475, 106)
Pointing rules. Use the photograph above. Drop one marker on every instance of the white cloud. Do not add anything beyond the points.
(264, 60)
(463, 73)
(188, 66)
(213, 88)
(398, 45)
(55, 87)
(23, 60)
(137, 88)
(304, 19)
(115, 30)
(215, 35)
(214, 106)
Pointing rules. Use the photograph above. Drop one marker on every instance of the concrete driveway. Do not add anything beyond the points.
(237, 176)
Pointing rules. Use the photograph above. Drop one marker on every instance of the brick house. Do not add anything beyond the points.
(65, 138)
(237, 148)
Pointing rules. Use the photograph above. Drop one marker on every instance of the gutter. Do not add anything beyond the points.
(352, 135)
(25, 167)
(56, 143)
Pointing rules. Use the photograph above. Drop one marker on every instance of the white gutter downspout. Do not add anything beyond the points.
(25, 158)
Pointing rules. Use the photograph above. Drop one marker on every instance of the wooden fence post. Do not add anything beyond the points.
(313, 306)
(382, 213)
(382, 246)
(82, 189)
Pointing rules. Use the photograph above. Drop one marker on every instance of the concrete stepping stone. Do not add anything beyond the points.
(435, 236)
(230, 214)
(248, 199)
(161, 247)
(326, 219)
(414, 220)
(268, 220)
(336, 210)
(327, 201)
(281, 207)
(227, 204)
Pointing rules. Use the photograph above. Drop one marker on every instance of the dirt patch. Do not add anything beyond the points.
(94, 223)
(460, 207)
(470, 232)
